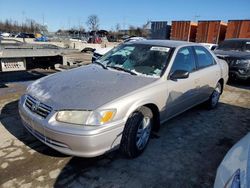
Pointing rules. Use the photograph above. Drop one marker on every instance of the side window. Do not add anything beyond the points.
(184, 60)
(204, 57)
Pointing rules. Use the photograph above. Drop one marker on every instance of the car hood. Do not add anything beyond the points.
(87, 87)
(231, 53)
(238, 157)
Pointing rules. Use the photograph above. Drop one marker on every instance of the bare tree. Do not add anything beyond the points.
(93, 22)
(132, 31)
(139, 31)
(29, 25)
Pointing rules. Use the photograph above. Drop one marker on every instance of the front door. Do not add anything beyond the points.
(182, 93)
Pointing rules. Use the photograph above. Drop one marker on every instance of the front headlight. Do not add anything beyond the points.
(79, 117)
(243, 62)
(75, 117)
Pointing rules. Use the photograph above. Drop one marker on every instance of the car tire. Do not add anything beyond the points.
(88, 49)
(136, 133)
(215, 96)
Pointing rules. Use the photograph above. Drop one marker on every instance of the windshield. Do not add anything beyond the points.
(141, 59)
(231, 45)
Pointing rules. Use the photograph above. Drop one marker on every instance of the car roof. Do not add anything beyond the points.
(167, 43)
(208, 43)
(239, 39)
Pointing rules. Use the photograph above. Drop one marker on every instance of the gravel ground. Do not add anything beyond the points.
(186, 152)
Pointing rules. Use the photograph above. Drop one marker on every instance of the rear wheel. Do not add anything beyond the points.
(215, 96)
(137, 132)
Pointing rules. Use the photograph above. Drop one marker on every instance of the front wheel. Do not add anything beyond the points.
(215, 96)
(137, 132)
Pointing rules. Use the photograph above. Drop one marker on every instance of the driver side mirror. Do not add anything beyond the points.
(179, 74)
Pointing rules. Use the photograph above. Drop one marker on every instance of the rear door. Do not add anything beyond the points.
(208, 71)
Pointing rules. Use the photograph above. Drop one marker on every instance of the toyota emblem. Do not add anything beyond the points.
(35, 106)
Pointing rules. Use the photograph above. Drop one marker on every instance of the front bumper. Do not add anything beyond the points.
(238, 70)
(239, 73)
(83, 141)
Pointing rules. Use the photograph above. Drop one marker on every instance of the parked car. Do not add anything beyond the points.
(234, 170)
(132, 39)
(124, 37)
(41, 39)
(88, 50)
(78, 39)
(12, 34)
(237, 54)
(25, 35)
(95, 39)
(210, 46)
(98, 53)
(121, 98)
(5, 34)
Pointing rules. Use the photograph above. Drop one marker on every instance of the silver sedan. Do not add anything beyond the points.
(118, 101)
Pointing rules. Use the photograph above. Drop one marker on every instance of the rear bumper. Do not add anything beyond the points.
(83, 144)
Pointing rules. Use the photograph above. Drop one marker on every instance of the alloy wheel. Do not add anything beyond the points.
(143, 133)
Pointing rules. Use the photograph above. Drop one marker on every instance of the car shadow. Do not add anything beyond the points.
(78, 168)
(7, 77)
(10, 119)
(242, 84)
(189, 150)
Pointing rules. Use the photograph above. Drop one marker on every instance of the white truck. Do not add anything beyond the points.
(20, 56)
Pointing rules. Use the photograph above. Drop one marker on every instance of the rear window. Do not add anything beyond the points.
(204, 58)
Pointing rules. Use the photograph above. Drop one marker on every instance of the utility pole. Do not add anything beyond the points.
(43, 18)
(79, 29)
(196, 17)
(124, 25)
(69, 23)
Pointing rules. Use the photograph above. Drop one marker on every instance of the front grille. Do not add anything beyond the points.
(37, 107)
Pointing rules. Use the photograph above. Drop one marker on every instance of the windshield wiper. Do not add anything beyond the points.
(99, 63)
(122, 69)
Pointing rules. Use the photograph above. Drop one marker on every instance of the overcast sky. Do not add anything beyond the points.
(72, 13)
